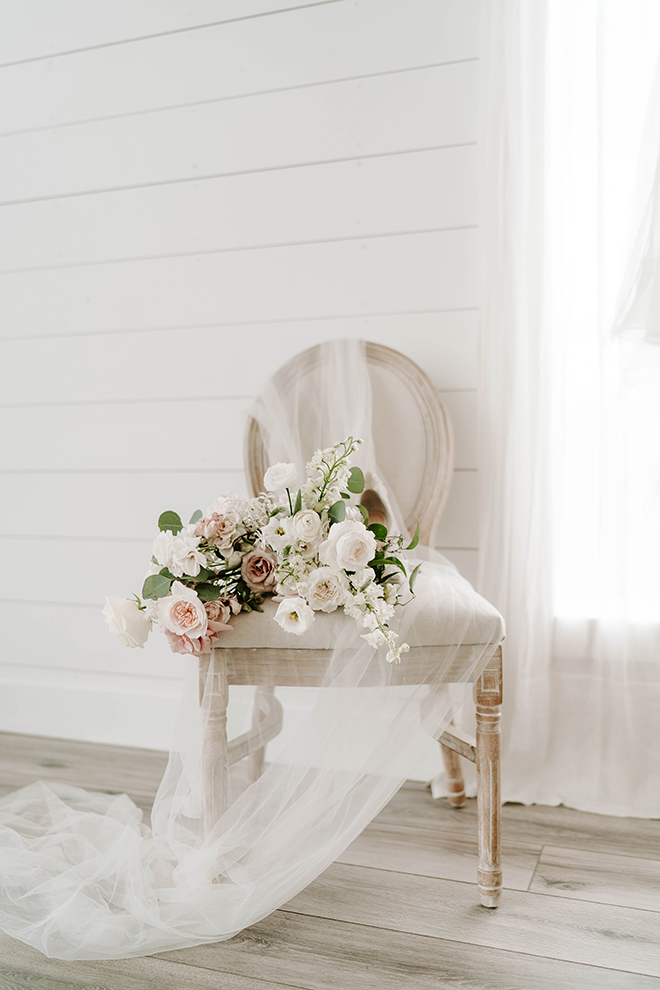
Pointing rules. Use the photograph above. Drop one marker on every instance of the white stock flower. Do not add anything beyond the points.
(326, 589)
(126, 621)
(179, 554)
(294, 615)
(307, 525)
(350, 546)
(182, 612)
(280, 476)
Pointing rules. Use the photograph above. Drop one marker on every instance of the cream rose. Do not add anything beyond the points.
(349, 546)
(182, 612)
(126, 621)
(306, 525)
(279, 476)
(325, 589)
(294, 615)
(258, 570)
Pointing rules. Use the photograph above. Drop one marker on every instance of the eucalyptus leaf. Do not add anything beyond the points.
(379, 531)
(355, 481)
(208, 592)
(365, 514)
(170, 520)
(337, 512)
(345, 495)
(413, 578)
(168, 574)
(197, 514)
(415, 540)
(156, 586)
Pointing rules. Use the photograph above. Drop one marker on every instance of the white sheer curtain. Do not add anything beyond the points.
(570, 411)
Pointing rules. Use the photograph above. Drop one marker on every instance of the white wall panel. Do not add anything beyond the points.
(42, 29)
(377, 115)
(139, 365)
(397, 273)
(342, 199)
(298, 47)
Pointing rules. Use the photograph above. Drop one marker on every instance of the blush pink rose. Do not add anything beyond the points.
(185, 645)
(258, 570)
(220, 612)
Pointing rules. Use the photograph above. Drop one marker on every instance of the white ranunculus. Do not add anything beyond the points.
(179, 553)
(294, 615)
(182, 612)
(126, 621)
(307, 525)
(326, 588)
(279, 476)
(350, 546)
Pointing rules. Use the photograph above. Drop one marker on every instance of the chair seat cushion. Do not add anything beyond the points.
(447, 613)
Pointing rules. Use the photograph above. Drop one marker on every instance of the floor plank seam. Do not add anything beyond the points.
(536, 866)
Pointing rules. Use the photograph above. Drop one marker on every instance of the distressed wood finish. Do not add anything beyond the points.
(214, 695)
(268, 668)
(488, 697)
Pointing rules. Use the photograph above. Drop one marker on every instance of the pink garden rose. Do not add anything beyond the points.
(220, 612)
(182, 613)
(258, 570)
(220, 529)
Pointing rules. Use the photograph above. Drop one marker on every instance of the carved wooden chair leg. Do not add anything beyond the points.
(214, 692)
(453, 777)
(256, 758)
(488, 696)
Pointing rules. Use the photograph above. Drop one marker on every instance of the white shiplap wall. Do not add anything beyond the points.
(192, 192)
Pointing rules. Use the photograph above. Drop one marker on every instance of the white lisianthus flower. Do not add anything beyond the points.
(350, 546)
(306, 525)
(279, 476)
(326, 589)
(126, 621)
(182, 612)
(276, 533)
(179, 554)
(294, 615)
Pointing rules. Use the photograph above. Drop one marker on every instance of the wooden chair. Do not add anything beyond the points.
(417, 462)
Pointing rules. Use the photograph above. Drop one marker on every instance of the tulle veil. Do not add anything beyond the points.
(82, 877)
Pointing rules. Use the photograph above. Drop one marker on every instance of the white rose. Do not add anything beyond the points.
(325, 588)
(126, 621)
(279, 476)
(307, 525)
(294, 615)
(350, 546)
(179, 554)
(183, 613)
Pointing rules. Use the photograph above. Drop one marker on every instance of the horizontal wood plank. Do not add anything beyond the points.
(300, 47)
(37, 29)
(377, 115)
(604, 877)
(585, 932)
(566, 827)
(432, 853)
(320, 954)
(139, 365)
(393, 274)
(322, 202)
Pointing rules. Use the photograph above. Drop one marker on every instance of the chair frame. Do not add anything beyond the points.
(268, 668)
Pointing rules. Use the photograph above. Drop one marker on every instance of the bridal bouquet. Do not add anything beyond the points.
(311, 547)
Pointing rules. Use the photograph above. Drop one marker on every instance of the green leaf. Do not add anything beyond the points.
(208, 592)
(355, 481)
(168, 574)
(156, 586)
(415, 540)
(413, 578)
(379, 531)
(298, 505)
(337, 512)
(393, 562)
(197, 514)
(170, 520)
(345, 495)
(202, 577)
(365, 514)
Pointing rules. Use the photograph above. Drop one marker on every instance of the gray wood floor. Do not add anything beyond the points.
(398, 910)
